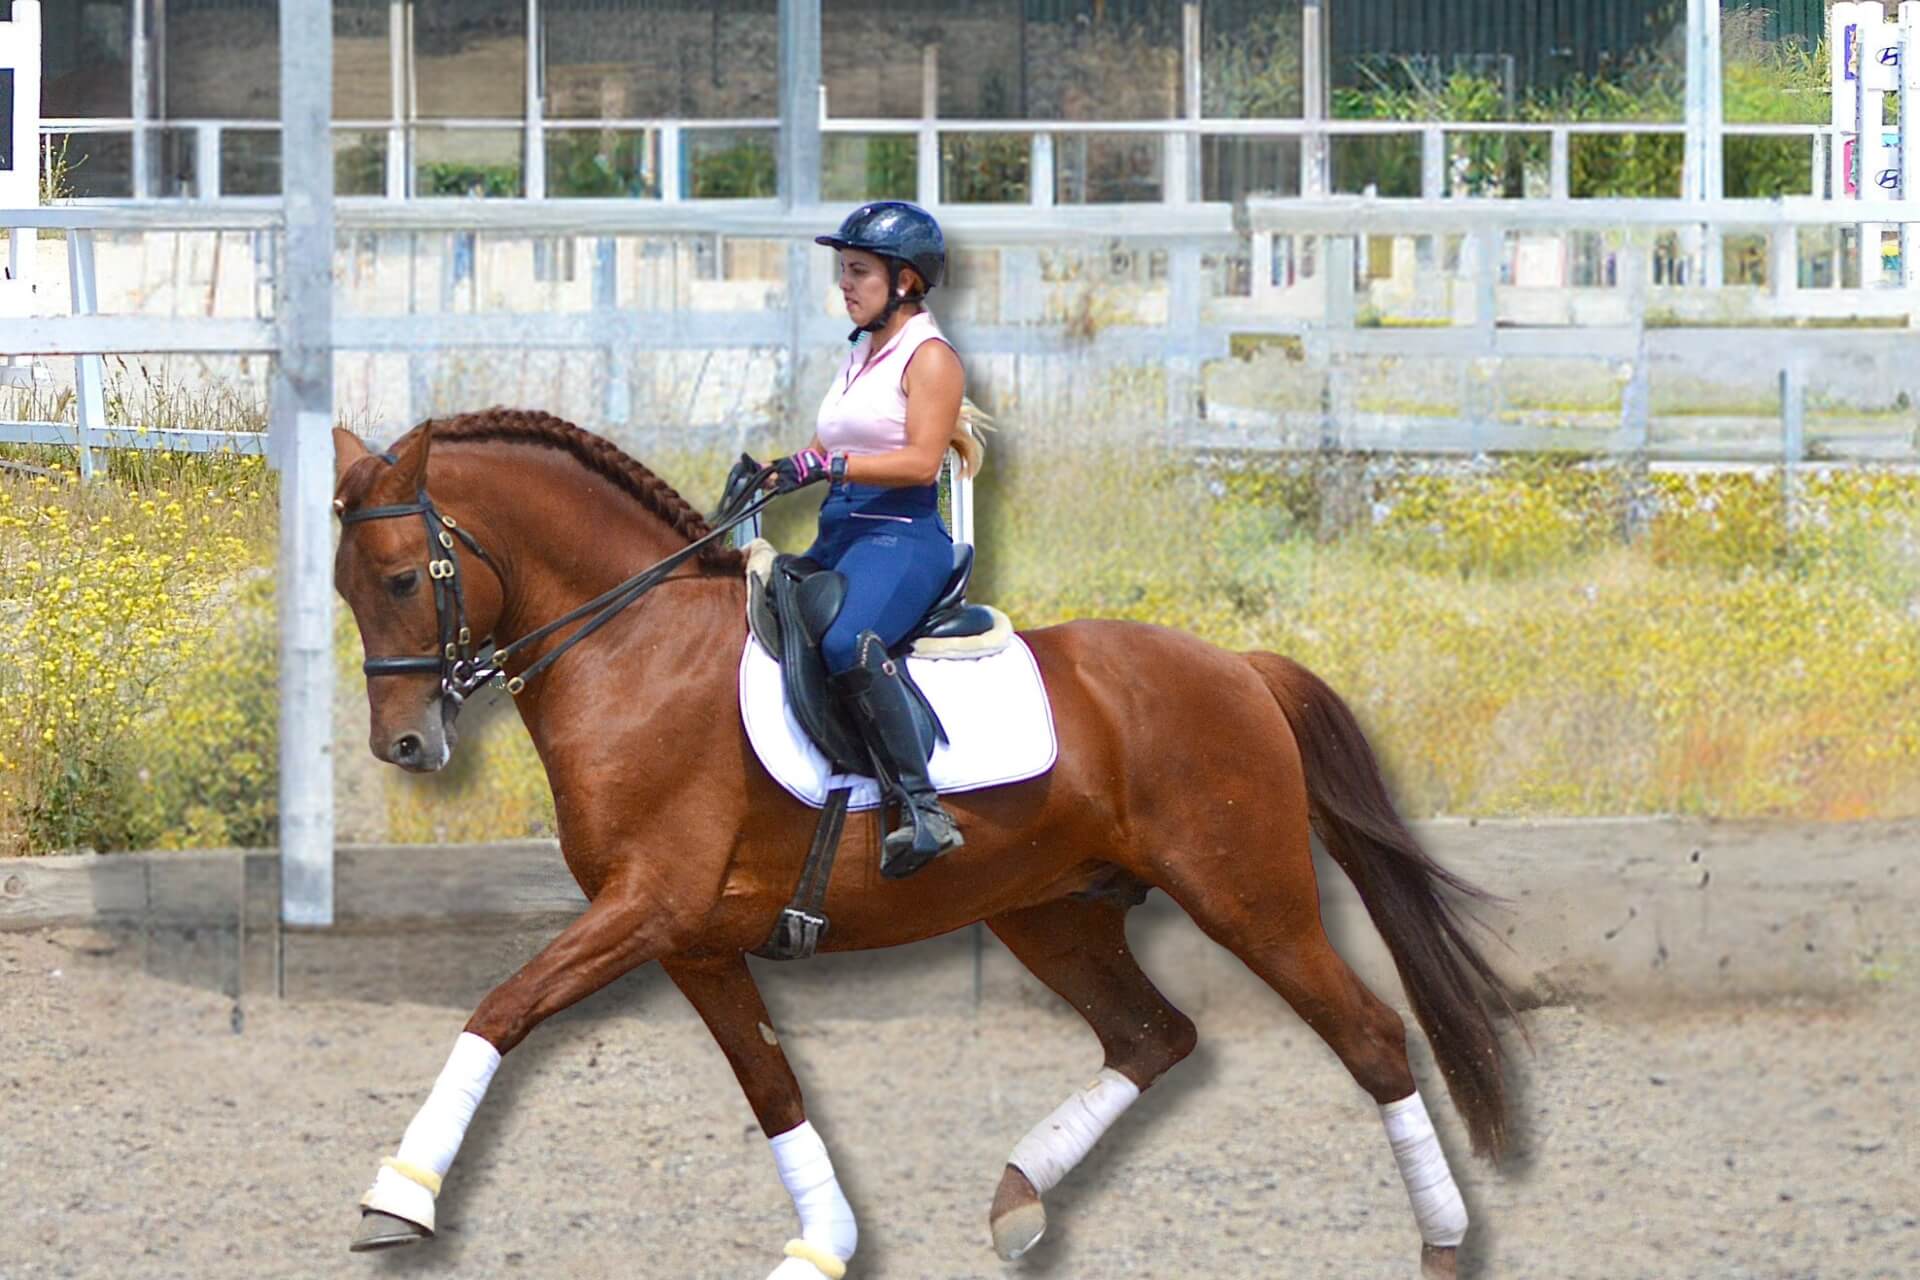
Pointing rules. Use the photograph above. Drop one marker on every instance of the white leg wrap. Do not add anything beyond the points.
(826, 1219)
(434, 1137)
(1437, 1206)
(1054, 1146)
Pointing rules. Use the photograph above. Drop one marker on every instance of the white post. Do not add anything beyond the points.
(1704, 166)
(89, 381)
(535, 184)
(142, 105)
(1315, 170)
(927, 148)
(302, 421)
(399, 86)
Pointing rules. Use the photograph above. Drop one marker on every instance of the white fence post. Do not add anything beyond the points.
(303, 416)
(89, 390)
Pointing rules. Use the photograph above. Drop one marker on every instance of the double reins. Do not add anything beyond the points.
(461, 669)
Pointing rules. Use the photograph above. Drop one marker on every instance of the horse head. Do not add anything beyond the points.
(400, 569)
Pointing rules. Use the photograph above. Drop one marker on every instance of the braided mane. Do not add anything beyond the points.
(600, 456)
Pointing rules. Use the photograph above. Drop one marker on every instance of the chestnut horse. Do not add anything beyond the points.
(1182, 767)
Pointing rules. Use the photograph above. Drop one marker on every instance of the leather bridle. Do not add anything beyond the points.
(463, 669)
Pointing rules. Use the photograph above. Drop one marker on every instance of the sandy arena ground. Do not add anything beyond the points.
(155, 1129)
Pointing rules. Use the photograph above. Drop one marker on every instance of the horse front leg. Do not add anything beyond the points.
(722, 991)
(619, 932)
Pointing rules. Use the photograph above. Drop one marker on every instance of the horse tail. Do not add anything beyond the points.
(1454, 992)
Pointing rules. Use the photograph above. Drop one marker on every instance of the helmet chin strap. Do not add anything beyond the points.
(894, 300)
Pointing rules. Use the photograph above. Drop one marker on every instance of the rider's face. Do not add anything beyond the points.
(863, 284)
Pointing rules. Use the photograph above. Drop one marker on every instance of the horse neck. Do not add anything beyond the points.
(562, 535)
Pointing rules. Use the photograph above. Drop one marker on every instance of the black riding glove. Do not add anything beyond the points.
(797, 471)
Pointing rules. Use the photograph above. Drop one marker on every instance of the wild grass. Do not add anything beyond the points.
(1749, 652)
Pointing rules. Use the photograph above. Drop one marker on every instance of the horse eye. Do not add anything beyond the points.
(402, 584)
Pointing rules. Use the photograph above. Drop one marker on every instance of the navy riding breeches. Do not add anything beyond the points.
(896, 554)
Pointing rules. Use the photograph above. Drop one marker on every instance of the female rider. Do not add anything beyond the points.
(883, 430)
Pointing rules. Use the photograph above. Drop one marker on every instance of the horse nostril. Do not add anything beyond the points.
(406, 748)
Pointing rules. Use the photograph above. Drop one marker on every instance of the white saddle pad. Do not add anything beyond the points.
(995, 710)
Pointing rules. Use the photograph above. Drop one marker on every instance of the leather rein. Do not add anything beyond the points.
(463, 669)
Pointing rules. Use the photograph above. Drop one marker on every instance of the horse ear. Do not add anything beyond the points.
(347, 450)
(411, 465)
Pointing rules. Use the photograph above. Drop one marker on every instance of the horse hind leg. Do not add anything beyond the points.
(1265, 909)
(1079, 950)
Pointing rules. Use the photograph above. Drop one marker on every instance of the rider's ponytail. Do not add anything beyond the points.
(968, 426)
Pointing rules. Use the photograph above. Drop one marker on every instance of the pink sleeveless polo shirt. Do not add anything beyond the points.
(865, 410)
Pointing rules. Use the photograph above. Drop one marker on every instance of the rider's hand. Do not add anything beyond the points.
(797, 471)
(738, 483)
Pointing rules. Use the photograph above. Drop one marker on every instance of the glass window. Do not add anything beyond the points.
(869, 166)
(985, 168)
(1508, 60)
(728, 164)
(362, 60)
(86, 68)
(1002, 59)
(603, 162)
(467, 162)
(222, 60)
(1250, 59)
(873, 54)
(1232, 168)
(1101, 60)
(359, 162)
(1107, 168)
(470, 59)
(669, 59)
(250, 162)
(91, 165)
(1773, 64)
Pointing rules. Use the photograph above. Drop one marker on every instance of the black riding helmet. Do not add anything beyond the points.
(902, 234)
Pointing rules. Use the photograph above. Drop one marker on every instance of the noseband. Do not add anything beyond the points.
(461, 669)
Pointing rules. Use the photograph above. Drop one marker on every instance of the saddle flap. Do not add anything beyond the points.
(804, 607)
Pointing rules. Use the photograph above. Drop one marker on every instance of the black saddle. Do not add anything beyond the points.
(795, 608)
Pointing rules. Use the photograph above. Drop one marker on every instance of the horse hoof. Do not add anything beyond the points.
(1018, 1218)
(384, 1231)
(1439, 1262)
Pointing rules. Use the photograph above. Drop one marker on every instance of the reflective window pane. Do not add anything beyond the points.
(603, 163)
(675, 59)
(1507, 60)
(359, 162)
(176, 163)
(1250, 59)
(985, 168)
(250, 162)
(1107, 168)
(222, 60)
(470, 59)
(873, 55)
(467, 162)
(90, 165)
(1095, 60)
(86, 68)
(1641, 165)
(362, 60)
(1233, 168)
(869, 166)
(1382, 164)
(728, 164)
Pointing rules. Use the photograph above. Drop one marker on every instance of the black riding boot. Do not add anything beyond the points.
(883, 708)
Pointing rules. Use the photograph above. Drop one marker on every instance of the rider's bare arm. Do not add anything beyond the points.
(935, 384)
